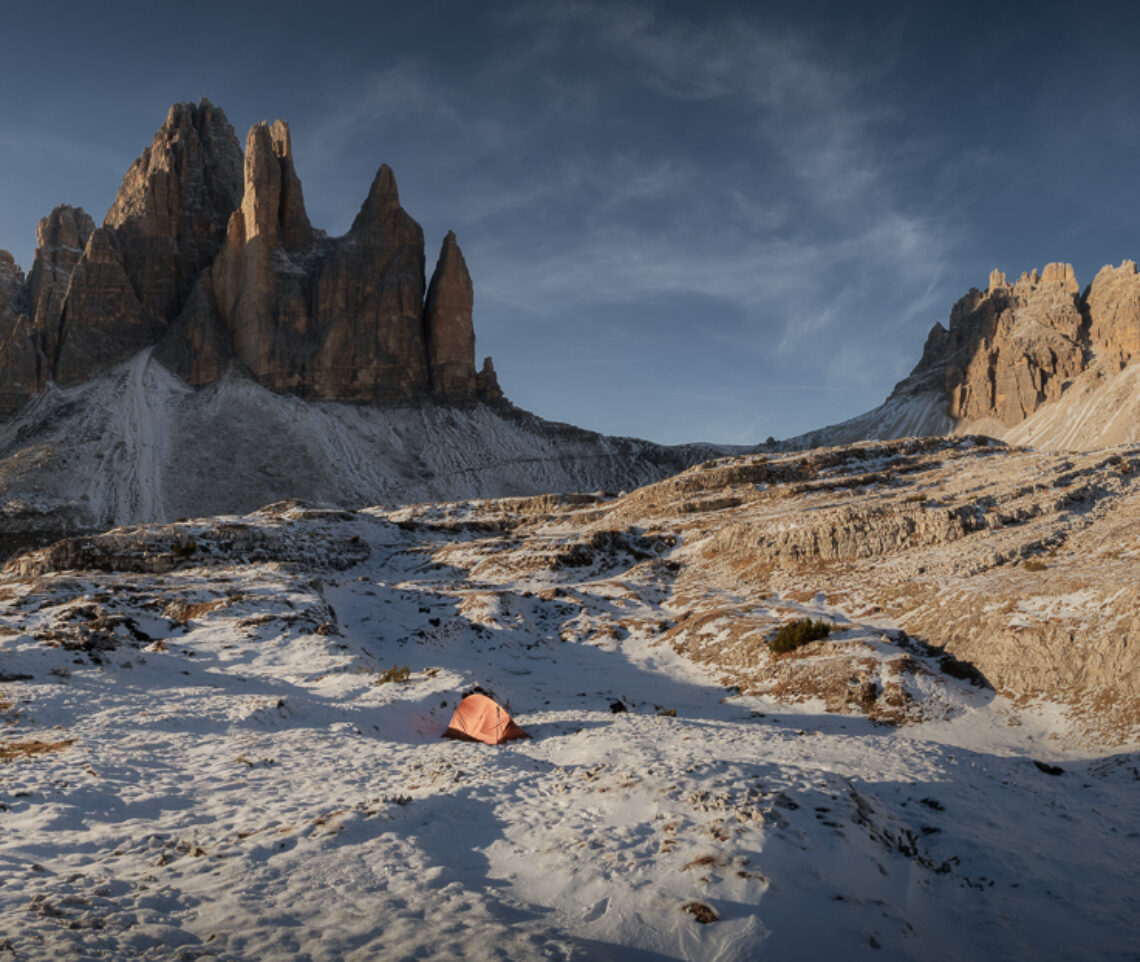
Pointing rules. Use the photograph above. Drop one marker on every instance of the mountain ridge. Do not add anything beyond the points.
(207, 255)
(1020, 361)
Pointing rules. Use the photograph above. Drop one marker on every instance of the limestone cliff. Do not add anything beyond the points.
(207, 254)
(450, 333)
(1012, 362)
(17, 343)
(171, 211)
(369, 305)
(1010, 349)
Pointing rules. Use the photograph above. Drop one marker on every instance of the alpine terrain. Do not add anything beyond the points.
(208, 350)
(1036, 362)
(855, 696)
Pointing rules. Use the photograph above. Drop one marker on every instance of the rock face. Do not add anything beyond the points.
(19, 367)
(451, 336)
(369, 305)
(1007, 353)
(171, 211)
(208, 256)
(261, 289)
(1010, 349)
(61, 238)
(1113, 301)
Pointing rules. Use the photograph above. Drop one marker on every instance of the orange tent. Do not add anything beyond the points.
(479, 719)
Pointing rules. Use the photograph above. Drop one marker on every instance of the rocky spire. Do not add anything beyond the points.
(448, 324)
(273, 203)
(369, 305)
(61, 238)
(209, 256)
(487, 382)
(261, 294)
(296, 231)
(171, 210)
(383, 198)
(18, 347)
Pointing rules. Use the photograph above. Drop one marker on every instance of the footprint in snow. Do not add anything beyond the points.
(596, 911)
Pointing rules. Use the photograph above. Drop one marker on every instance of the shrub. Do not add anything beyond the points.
(917, 498)
(1035, 564)
(795, 634)
(185, 549)
(403, 673)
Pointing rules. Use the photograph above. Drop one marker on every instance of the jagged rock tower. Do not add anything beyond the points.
(209, 257)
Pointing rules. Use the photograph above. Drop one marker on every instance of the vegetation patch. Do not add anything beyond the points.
(10, 751)
(795, 634)
(1035, 564)
(402, 673)
(701, 912)
(184, 549)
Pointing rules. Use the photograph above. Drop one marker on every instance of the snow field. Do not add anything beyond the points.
(240, 786)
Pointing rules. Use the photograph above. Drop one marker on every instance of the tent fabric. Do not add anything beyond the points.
(480, 719)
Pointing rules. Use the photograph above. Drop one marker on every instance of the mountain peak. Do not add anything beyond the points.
(207, 254)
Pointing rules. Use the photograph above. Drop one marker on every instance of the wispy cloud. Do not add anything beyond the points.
(819, 234)
(29, 142)
(615, 155)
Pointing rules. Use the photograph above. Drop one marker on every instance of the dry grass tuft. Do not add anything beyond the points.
(701, 912)
(10, 751)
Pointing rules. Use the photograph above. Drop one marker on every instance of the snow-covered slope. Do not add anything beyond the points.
(139, 445)
(203, 753)
(910, 415)
(1099, 409)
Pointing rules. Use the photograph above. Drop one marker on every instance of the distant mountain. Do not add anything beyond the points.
(1037, 362)
(207, 350)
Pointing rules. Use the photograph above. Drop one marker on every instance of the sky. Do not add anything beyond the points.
(718, 221)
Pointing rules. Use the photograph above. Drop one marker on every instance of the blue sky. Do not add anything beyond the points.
(720, 221)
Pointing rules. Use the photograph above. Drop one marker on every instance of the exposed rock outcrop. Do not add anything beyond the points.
(17, 342)
(102, 321)
(171, 211)
(487, 382)
(1113, 301)
(209, 256)
(61, 238)
(450, 332)
(1010, 352)
(261, 290)
(1007, 350)
(369, 305)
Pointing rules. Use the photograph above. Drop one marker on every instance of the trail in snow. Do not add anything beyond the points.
(143, 432)
(129, 427)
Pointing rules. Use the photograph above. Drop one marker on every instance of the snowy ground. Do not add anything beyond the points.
(204, 763)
